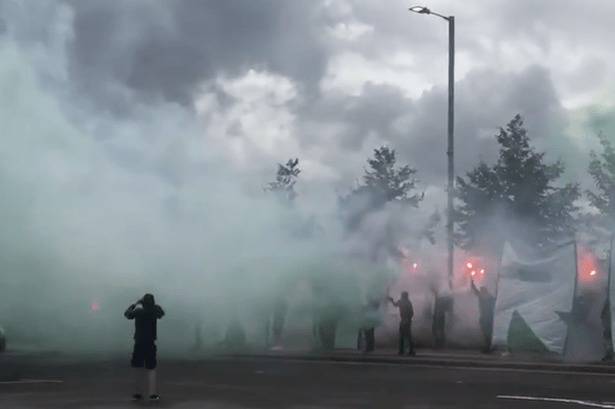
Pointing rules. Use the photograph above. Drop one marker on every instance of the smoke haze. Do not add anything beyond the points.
(137, 137)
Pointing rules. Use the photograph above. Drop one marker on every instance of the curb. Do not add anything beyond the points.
(436, 362)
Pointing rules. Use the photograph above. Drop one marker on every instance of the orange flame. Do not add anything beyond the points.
(589, 265)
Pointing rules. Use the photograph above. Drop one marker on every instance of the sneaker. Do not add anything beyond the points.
(154, 397)
(137, 396)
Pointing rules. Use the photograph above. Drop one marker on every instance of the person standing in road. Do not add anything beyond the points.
(406, 313)
(486, 305)
(145, 313)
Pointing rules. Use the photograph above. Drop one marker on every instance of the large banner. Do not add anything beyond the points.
(610, 295)
(534, 299)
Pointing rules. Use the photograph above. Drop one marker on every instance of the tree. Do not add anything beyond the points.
(285, 179)
(383, 182)
(284, 187)
(602, 171)
(388, 183)
(517, 198)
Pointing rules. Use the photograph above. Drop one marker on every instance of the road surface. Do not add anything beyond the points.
(263, 383)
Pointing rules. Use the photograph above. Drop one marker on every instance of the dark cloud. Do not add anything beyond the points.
(124, 53)
(165, 49)
(360, 116)
(485, 100)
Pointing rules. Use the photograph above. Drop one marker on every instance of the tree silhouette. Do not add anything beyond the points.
(517, 198)
(285, 180)
(602, 171)
(383, 182)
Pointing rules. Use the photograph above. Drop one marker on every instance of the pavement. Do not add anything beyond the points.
(447, 358)
(300, 381)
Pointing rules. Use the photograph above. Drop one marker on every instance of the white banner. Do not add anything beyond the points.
(611, 295)
(533, 300)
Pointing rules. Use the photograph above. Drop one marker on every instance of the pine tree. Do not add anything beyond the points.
(517, 198)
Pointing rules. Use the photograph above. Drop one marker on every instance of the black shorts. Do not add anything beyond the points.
(144, 355)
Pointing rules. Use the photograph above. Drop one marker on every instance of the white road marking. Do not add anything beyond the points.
(559, 400)
(30, 381)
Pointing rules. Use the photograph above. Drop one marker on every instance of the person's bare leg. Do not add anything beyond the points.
(138, 381)
(151, 382)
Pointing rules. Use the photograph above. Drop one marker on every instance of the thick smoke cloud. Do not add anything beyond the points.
(100, 208)
(137, 135)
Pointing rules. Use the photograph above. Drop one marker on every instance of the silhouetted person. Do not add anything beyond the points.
(235, 337)
(327, 325)
(327, 329)
(315, 331)
(441, 306)
(361, 340)
(366, 340)
(406, 313)
(607, 336)
(2, 340)
(198, 338)
(146, 313)
(486, 305)
(327, 312)
(279, 317)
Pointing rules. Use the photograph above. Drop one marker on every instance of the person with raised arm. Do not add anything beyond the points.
(406, 314)
(145, 313)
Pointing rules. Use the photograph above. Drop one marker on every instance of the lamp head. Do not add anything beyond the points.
(420, 10)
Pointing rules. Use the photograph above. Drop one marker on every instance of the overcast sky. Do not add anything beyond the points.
(136, 135)
(158, 83)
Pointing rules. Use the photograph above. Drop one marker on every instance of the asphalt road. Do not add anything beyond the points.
(231, 384)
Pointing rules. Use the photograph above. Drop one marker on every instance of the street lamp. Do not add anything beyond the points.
(451, 132)
(420, 9)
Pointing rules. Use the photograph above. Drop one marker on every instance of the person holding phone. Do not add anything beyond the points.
(145, 313)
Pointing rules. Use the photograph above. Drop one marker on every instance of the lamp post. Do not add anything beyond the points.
(451, 134)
